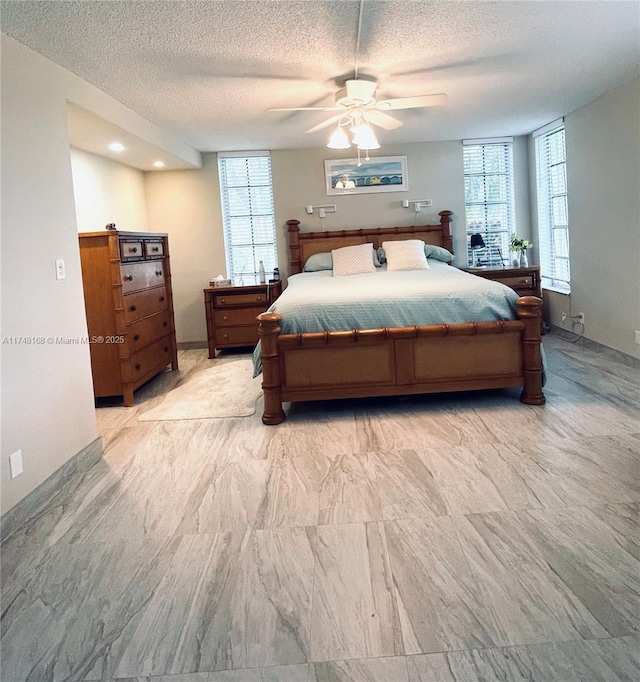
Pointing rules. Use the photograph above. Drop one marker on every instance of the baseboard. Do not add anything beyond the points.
(192, 345)
(611, 353)
(50, 492)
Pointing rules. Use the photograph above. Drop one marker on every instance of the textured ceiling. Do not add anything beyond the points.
(207, 71)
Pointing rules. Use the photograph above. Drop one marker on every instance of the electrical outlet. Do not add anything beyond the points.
(638, 337)
(15, 463)
(60, 271)
(580, 318)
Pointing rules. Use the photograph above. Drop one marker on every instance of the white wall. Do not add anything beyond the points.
(186, 204)
(106, 191)
(47, 397)
(603, 177)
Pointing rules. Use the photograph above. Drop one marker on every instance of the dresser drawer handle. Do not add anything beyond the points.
(165, 324)
(224, 317)
(133, 249)
(226, 336)
(128, 278)
(223, 300)
(155, 249)
(258, 298)
(136, 337)
(138, 367)
(162, 298)
(133, 309)
(166, 349)
(523, 281)
(158, 273)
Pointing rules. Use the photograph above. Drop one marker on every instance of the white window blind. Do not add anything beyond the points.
(553, 218)
(247, 215)
(489, 196)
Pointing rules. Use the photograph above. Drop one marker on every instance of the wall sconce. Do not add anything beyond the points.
(322, 210)
(418, 204)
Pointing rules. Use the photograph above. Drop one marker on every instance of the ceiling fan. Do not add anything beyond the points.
(359, 109)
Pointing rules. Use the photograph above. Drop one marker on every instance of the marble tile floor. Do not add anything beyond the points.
(449, 538)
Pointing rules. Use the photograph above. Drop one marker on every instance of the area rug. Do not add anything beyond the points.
(225, 390)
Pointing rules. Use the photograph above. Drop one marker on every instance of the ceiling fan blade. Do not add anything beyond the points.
(325, 124)
(413, 102)
(306, 109)
(379, 118)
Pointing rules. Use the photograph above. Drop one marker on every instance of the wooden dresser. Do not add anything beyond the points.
(232, 312)
(129, 305)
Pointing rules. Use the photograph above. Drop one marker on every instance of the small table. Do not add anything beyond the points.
(525, 281)
(232, 311)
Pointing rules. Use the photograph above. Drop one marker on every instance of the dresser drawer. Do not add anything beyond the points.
(131, 249)
(148, 361)
(138, 276)
(236, 336)
(239, 316)
(154, 249)
(227, 300)
(144, 303)
(517, 282)
(146, 331)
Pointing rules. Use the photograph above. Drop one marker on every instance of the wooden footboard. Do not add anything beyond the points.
(401, 360)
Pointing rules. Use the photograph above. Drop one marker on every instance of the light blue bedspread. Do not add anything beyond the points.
(317, 301)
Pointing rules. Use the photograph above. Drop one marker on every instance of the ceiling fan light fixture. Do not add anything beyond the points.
(364, 137)
(339, 139)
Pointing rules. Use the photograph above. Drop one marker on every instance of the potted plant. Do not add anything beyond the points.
(519, 247)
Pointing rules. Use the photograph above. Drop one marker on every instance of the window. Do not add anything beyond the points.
(553, 218)
(488, 194)
(247, 214)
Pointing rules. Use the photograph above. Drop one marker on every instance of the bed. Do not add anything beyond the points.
(308, 358)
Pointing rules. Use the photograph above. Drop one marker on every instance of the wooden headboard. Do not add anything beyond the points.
(302, 245)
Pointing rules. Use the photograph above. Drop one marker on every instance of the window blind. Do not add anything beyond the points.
(248, 215)
(489, 196)
(553, 218)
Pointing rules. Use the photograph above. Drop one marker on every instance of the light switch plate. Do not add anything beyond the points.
(15, 463)
(60, 271)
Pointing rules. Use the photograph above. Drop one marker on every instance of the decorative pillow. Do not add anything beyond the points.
(319, 261)
(405, 255)
(437, 252)
(353, 260)
(380, 255)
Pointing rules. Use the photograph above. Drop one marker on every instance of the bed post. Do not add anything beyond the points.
(530, 311)
(268, 330)
(294, 246)
(445, 221)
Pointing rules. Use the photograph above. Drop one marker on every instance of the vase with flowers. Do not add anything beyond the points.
(519, 248)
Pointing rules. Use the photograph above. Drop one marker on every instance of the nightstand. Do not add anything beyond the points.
(525, 281)
(232, 312)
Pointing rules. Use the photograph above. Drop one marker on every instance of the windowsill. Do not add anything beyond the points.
(557, 289)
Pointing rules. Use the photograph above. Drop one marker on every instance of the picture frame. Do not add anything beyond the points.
(357, 176)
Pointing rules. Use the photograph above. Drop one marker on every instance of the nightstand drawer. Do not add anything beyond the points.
(227, 300)
(237, 317)
(521, 281)
(240, 336)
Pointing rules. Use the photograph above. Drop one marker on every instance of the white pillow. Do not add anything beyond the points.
(353, 260)
(407, 254)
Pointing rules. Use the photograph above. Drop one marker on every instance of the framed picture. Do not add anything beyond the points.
(380, 174)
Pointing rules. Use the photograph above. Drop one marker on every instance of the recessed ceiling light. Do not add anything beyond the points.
(116, 147)
(158, 164)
